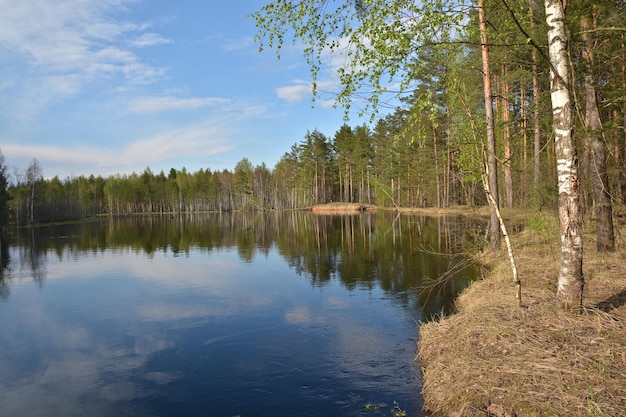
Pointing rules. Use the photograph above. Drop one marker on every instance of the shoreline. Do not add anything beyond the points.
(493, 358)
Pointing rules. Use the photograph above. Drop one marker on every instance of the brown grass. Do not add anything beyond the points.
(493, 358)
(478, 211)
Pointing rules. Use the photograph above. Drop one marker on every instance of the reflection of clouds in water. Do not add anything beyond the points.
(336, 302)
(357, 345)
(162, 378)
(197, 270)
(358, 340)
(213, 307)
(301, 315)
(171, 312)
(219, 275)
(89, 356)
(77, 337)
(355, 340)
(375, 353)
(120, 391)
(83, 381)
(305, 315)
(74, 370)
(122, 322)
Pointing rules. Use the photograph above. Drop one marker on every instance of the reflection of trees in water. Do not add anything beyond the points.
(30, 259)
(5, 260)
(33, 258)
(397, 252)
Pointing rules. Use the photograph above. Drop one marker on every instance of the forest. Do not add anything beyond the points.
(428, 151)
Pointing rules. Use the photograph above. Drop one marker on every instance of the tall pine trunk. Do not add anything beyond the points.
(570, 281)
(536, 120)
(621, 151)
(494, 225)
(506, 118)
(599, 175)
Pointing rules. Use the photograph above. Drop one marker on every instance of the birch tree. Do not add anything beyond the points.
(33, 174)
(570, 281)
(4, 194)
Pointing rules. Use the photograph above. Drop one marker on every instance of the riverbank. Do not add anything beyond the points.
(342, 208)
(493, 358)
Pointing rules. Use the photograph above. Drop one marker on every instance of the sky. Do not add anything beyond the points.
(108, 87)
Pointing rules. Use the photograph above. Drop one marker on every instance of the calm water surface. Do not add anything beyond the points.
(282, 314)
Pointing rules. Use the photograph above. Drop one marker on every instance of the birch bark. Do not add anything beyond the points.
(570, 281)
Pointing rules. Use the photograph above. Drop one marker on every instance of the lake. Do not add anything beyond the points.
(231, 314)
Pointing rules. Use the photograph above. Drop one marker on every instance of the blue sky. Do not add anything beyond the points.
(114, 86)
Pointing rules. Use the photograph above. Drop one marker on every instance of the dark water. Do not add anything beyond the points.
(281, 314)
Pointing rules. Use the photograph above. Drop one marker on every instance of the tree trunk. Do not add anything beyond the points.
(570, 279)
(619, 139)
(524, 128)
(506, 117)
(437, 181)
(494, 227)
(448, 172)
(536, 121)
(599, 175)
(622, 151)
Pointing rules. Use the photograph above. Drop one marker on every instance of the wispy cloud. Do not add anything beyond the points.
(326, 90)
(294, 93)
(189, 142)
(328, 82)
(200, 139)
(161, 104)
(242, 43)
(148, 39)
(77, 40)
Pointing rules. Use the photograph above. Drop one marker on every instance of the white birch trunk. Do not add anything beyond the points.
(570, 279)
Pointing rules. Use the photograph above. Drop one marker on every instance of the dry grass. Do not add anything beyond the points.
(341, 208)
(493, 358)
(476, 211)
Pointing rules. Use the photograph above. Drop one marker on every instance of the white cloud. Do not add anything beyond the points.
(81, 40)
(192, 141)
(49, 153)
(328, 82)
(160, 104)
(236, 44)
(200, 139)
(149, 39)
(294, 93)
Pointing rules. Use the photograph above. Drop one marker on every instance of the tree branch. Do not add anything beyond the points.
(531, 41)
(596, 30)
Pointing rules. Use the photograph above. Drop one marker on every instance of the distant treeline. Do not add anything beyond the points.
(356, 165)
(379, 167)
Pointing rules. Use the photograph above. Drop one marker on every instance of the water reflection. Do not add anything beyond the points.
(225, 314)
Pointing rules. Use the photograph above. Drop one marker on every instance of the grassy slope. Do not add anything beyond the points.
(493, 358)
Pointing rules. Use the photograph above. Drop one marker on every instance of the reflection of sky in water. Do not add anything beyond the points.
(119, 333)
